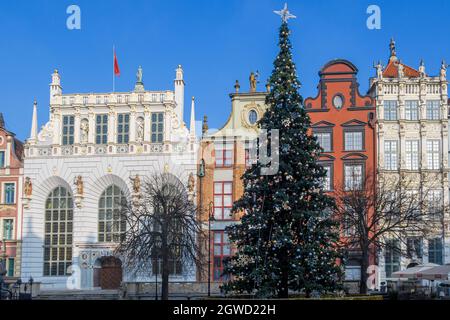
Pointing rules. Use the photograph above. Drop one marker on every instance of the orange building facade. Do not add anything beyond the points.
(344, 123)
(11, 174)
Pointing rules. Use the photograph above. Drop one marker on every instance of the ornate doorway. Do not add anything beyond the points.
(110, 274)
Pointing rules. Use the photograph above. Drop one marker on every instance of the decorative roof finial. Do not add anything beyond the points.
(2, 121)
(237, 86)
(422, 68)
(285, 14)
(393, 50)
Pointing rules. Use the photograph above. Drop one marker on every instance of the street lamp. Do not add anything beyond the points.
(210, 218)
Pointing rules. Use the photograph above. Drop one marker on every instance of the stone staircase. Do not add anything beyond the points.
(79, 295)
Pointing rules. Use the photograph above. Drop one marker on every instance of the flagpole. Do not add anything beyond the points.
(113, 75)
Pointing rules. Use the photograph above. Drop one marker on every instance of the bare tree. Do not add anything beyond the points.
(393, 207)
(162, 230)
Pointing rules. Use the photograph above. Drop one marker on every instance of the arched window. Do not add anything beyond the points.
(58, 232)
(110, 223)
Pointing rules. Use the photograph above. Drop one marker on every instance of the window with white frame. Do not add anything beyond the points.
(353, 176)
(324, 139)
(414, 248)
(68, 129)
(412, 154)
(328, 179)
(412, 110)
(2, 159)
(157, 127)
(9, 193)
(435, 250)
(111, 223)
(123, 128)
(433, 110)
(154, 97)
(433, 154)
(435, 203)
(392, 257)
(8, 229)
(251, 156)
(390, 110)
(85, 100)
(353, 140)
(58, 228)
(101, 129)
(119, 99)
(390, 155)
(97, 100)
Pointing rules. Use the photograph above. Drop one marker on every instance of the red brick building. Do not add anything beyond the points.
(343, 121)
(11, 180)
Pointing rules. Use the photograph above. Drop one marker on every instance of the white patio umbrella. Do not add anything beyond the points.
(412, 273)
(435, 273)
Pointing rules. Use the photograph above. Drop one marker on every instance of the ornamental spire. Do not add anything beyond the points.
(285, 14)
(393, 56)
(34, 124)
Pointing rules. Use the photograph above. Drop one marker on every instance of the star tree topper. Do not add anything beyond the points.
(285, 14)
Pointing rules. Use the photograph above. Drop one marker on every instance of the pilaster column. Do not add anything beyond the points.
(147, 125)
(91, 119)
(111, 126)
(132, 132)
(77, 124)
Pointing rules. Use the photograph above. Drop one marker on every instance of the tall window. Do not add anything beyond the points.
(412, 154)
(250, 153)
(390, 110)
(328, 179)
(111, 225)
(414, 248)
(157, 127)
(223, 200)
(392, 257)
(2, 159)
(9, 193)
(433, 151)
(222, 250)
(390, 155)
(412, 110)
(58, 232)
(101, 129)
(435, 250)
(433, 112)
(123, 128)
(353, 141)
(8, 229)
(435, 203)
(353, 176)
(10, 272)
(175, 263)
(324, 140)
(68, 130)
(224, 154)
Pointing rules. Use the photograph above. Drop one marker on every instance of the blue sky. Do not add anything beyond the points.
(216, 41)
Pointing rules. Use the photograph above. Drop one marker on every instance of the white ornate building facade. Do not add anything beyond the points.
(83, 160)
(412, 142)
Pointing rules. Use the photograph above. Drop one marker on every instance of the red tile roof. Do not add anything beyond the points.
(391, 71)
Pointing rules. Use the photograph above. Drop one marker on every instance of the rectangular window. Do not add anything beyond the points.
(412, 154)
(412, 110)
(324, 140)
(119, 99)
(353, 176)
(435, 203)
(101, 129)
(435, 251)
(390, 110)
(97, 100)
(392, 257)
(223, 154)
(2, 159)
(222, 250)
(328, 179)
(9, 193)
(414, 249)
(250, 153)
(157, 127)
(68, 129)
(433, 110)
(10, 267)
(85, 100)
(433, 150)
(353, 141)
(106, 99)
(223, 200)
(123, 128)
(391, 155)
(8, 229)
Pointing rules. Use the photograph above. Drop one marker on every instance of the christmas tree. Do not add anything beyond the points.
(286, 240)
